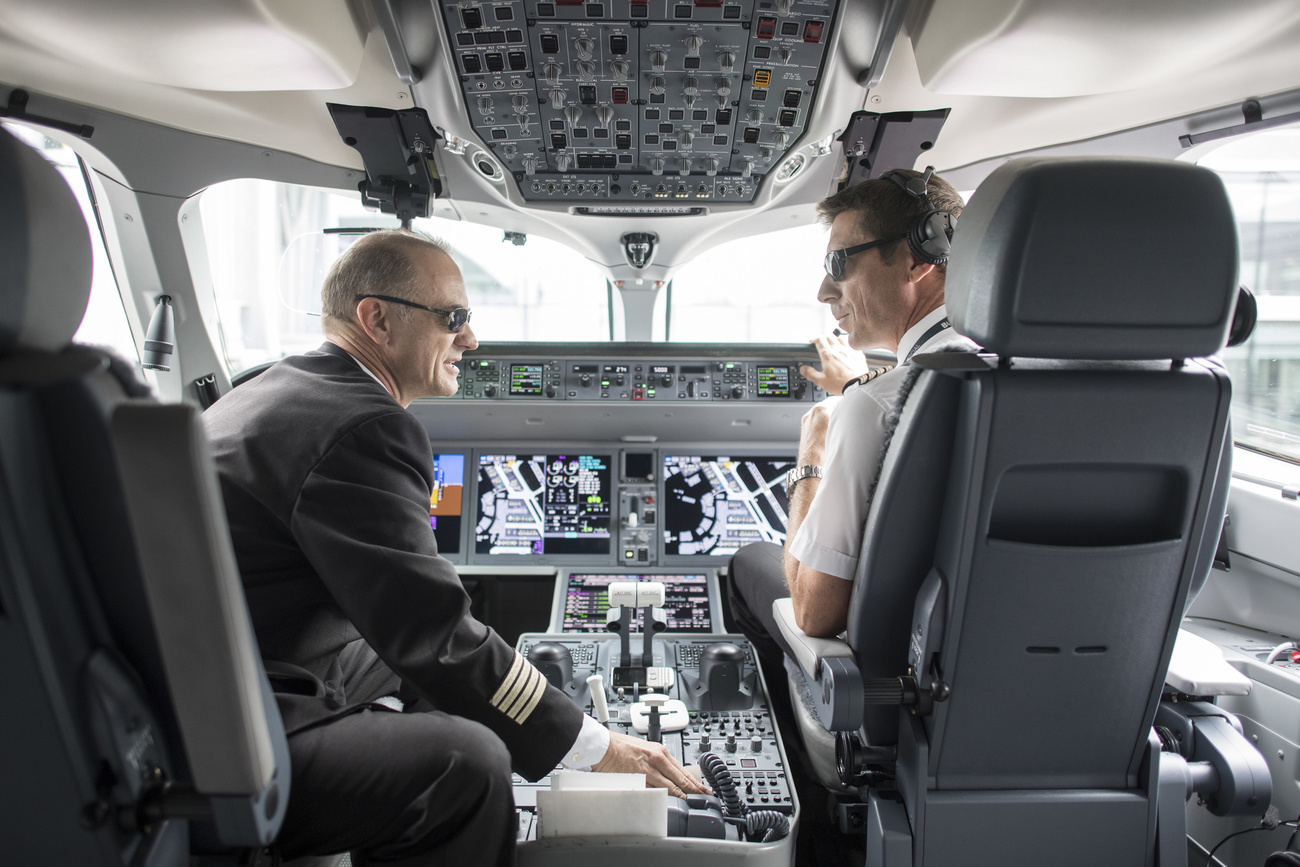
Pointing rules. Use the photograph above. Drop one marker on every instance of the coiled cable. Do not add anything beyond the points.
(760, 825)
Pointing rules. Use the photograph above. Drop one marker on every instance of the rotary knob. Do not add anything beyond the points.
(508, 151)
(785, 55)
(656, 165)
(552, 72)
(724, 86)
(726, 61)
(530, 164)
(658, 60)
(489, 391)
(485, 105)
(573, 114)
(690, 86)
(756, 744)
(520, 102)
(799, 389)
(618, 68)
(693, 43)
(690, 101)
(550, 392)
(585, 379)
(686, 137)
(584, 48)
(780, 138)
(604, 114)
(656, 85)
(785, 6)
(738, 392)
(746, 167)
(711, 166)
(704, 742)
(667, 380)
(754, 115)
(731, 742)
(586, 70)
(683, 165)
(557, 98)
(562, 162)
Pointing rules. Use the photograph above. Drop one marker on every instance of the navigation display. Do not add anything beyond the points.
(445, 501)
(543, 504)
(714, 504)
(774, 382)
(686, 606)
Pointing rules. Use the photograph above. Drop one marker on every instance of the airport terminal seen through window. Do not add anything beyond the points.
(1262, 174)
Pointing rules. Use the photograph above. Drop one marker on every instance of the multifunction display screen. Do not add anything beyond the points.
(543, 504)
(526, 379)
(714, 504)
(445, 501)
(686, 605)
(774, 382)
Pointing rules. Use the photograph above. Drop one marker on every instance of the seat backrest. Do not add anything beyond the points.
(131, 676)
(1062, 490)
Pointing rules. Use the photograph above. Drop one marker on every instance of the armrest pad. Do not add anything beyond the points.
(1197, 667)
(808, 651)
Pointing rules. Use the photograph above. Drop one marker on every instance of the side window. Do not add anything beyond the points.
(105, 323)
(1262, 174)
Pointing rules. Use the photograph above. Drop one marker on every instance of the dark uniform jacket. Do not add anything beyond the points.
(326, 481)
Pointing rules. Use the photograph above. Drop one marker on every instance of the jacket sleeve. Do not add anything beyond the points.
(362, 520)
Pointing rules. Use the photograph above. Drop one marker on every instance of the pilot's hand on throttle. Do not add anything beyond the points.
(840, 363)
(629, 755)
(812, 431)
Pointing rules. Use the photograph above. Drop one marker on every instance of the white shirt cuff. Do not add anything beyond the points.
(589, 748)
(821, 558)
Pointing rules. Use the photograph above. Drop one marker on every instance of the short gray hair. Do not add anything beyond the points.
(381, 263)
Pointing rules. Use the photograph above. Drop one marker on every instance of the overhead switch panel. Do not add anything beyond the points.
(594, 100)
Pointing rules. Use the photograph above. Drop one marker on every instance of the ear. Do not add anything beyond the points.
(374, 320)
(919, 270)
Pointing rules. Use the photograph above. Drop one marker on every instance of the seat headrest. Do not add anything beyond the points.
(45, 248)
(1099, 258)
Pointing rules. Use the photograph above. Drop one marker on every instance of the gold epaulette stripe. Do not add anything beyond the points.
(868, 376)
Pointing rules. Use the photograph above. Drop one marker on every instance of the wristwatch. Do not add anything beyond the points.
(798, 474)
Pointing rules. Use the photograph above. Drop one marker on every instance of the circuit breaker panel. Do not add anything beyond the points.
(625, 101)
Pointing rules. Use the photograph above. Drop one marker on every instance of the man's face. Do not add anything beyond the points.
(423, 350)
(869, 302)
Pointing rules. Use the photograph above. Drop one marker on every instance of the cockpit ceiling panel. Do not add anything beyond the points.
(612, 100)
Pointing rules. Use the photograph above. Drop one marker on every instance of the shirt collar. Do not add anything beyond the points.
(366, 369)
(914, 333)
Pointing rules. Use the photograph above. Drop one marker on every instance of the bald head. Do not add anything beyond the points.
(380, 263)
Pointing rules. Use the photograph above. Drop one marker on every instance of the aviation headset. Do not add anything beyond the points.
(930, 237)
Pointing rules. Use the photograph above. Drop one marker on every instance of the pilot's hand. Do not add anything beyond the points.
(629, 755)
(840, 363)
(812, 431)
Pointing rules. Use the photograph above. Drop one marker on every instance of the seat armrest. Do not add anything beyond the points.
(808, 651)
(1197, 667)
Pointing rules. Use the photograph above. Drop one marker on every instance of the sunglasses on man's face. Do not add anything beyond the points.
(457, 317)
(837, 259)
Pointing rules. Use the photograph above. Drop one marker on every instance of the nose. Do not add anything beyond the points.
(827, 291)
(465, 338)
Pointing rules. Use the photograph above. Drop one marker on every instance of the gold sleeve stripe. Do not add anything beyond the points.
(509, 687)
(521, 716)
(530, 684)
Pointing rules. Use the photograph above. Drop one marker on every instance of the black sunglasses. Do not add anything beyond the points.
(837, 259)
(457, 318)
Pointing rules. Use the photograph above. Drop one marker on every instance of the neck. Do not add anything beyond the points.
(366, 352)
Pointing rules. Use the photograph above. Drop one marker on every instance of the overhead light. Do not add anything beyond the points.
(160, 337)
(638, 211)
(790, 168)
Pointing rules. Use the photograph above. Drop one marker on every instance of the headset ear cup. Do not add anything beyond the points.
(930, 238)
(1283, 859)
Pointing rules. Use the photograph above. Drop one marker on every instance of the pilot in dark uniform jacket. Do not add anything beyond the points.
(326, 482)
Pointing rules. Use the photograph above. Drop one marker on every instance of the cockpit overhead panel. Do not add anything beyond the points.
(654, 101)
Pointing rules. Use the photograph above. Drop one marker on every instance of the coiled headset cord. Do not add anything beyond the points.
(763, 826)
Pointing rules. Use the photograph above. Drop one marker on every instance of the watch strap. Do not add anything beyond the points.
(798, 474)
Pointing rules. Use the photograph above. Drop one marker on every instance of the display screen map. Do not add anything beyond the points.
(543, 504)
(715, 504)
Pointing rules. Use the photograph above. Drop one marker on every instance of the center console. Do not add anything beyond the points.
(682, 682)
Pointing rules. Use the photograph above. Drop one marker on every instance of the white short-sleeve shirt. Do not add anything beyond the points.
(830, 538)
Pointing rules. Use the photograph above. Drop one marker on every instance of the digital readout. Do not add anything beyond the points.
(525, 379)
(774, 382)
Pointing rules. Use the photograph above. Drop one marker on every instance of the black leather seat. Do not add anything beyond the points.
(1042, 516)
(138, 724)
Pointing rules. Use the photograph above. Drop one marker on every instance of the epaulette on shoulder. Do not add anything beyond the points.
(871, 374)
